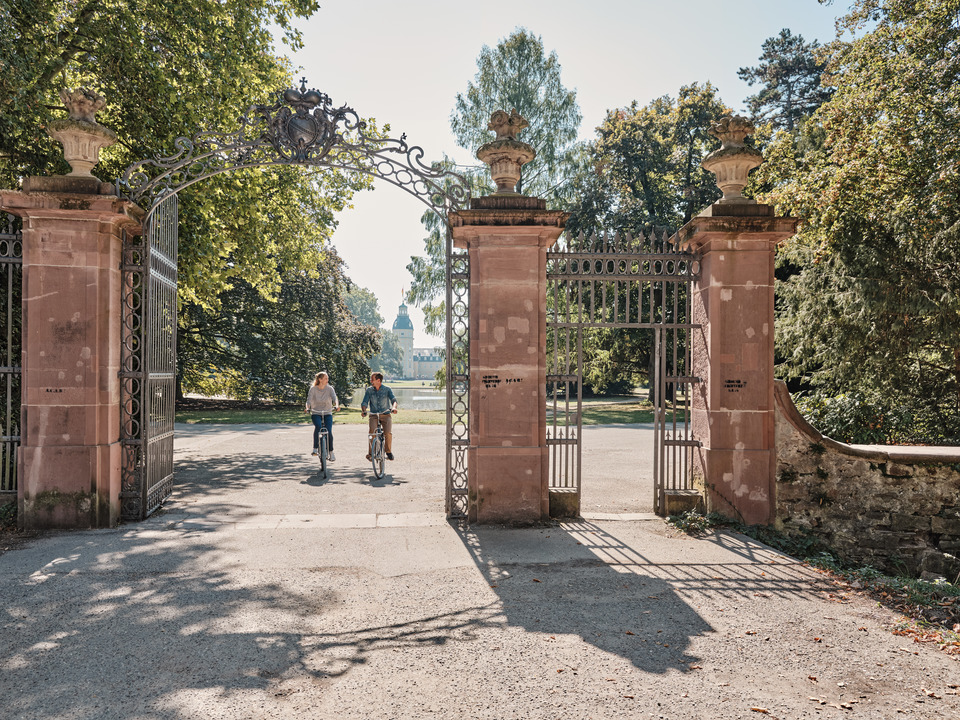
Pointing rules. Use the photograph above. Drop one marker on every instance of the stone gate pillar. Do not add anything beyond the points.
(733, 408)
(69, 465)
(507, 236)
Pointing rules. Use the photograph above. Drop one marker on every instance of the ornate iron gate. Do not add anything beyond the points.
(637, 283)
(148, 361)
(11, 284)
(458, 378)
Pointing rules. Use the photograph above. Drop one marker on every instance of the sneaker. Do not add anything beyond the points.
(315, 453)
(389, 456)
(331, 457)
(368, 457)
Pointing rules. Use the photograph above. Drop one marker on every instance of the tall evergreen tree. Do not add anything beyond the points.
(517, 74)
(790, 77)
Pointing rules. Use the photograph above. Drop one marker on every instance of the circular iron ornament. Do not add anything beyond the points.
(301, 128)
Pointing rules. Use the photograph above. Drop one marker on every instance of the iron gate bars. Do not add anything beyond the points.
(11, 284)
(630, 282)
(148, 361)
(458, 378)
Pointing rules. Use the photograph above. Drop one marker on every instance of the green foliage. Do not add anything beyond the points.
(694, 523)
(874, 304)
(257, 347)
(789, 74)
(644, 168)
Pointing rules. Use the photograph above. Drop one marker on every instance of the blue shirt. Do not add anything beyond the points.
(379, 401)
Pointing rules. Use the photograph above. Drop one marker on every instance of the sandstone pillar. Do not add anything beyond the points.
(70, 428)
(733, 351)
(507, 240)
(507, 235)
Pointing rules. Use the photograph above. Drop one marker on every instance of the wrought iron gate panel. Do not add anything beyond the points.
(458, 378)
(630, 282)
(148, 361)
(11, 283)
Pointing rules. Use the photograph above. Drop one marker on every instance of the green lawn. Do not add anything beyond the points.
(596, 411)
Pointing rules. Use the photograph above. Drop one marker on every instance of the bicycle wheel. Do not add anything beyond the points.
(377, 456)
(323, 455)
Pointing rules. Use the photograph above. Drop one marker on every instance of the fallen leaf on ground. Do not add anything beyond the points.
(760, 710)
(629, 633)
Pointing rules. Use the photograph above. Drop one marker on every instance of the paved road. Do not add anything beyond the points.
(260, 592)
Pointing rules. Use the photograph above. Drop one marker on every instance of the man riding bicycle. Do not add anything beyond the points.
(382, 403)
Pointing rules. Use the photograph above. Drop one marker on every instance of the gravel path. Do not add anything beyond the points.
(262, 592)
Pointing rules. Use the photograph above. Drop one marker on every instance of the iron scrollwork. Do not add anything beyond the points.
(301, 128)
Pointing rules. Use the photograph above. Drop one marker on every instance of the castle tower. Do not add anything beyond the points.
(403, 329)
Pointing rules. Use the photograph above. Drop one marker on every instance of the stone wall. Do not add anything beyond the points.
(895, 508)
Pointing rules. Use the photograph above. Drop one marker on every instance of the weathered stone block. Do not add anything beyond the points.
(900, 522)
(897, 470)
(950, 546)
(945, 526)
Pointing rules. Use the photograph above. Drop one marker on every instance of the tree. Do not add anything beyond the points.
(875, 178)
(789, 73)
(516, 74)
(255, 347)
(645, 164)
(366, 309)
(169, 69)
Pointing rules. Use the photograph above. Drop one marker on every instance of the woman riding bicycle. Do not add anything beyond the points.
(382, 403)
(321, 403)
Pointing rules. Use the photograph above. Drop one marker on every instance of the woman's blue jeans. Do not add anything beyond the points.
(318, 422)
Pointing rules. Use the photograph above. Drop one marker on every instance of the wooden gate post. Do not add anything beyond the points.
(507, 236)
(69, 466)
(733, 408)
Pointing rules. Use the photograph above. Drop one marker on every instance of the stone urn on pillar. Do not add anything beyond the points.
(506, 155)
(734, 160)
(80, 134)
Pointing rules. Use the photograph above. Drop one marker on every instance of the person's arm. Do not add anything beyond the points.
(365, 402)
(306, 405)
(393, 400)
(336, 401)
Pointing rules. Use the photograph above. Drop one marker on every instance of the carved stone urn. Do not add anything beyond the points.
(734, 160)
(80, 134)
(506, 155)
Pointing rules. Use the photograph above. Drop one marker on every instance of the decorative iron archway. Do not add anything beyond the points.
(302, 128)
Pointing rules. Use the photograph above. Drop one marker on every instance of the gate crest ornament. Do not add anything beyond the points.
(301, 128)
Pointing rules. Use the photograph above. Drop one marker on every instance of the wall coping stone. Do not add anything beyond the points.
(878, 453)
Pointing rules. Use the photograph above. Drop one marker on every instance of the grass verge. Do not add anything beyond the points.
(930, 611)
(235, 412)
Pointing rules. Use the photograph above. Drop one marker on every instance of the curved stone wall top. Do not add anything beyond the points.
(880, 453)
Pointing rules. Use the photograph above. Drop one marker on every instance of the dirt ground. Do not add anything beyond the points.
(264, 591)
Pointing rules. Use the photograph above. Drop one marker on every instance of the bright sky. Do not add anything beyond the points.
(403, 63)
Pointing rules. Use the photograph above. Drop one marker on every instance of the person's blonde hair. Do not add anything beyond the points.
(316, 378)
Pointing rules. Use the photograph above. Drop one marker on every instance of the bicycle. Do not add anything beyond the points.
(378, 451)
(323, 452)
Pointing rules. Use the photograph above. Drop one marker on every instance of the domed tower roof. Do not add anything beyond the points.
(403, 321)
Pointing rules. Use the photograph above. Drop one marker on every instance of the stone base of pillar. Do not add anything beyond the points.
(70, 487)
(508, 485)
